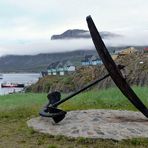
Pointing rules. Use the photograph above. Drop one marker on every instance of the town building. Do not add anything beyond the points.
(91, 60)
(145, 50)
(126, 51)
(60, 68)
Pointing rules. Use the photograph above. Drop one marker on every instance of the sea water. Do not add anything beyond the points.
(23, 78)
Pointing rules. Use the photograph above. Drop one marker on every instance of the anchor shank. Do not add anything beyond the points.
(79, 91)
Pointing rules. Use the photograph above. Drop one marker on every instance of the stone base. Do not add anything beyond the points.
(104, 124)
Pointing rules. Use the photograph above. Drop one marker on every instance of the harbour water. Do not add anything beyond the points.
(23, 78)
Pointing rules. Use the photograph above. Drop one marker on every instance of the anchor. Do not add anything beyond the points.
(51, 110)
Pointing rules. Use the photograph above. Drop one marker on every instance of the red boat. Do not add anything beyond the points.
(11, 85)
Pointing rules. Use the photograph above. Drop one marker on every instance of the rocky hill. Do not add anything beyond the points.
(135, 72)
(77, 33)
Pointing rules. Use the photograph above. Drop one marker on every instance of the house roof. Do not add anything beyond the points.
(88, 58)
(54, 65)
(67, 63)
(146, 49)
(126, 51)
(59, 64)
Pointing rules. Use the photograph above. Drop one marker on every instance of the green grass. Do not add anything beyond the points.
(105, 99)
(95, 99)
(16, 109)
(14, 101)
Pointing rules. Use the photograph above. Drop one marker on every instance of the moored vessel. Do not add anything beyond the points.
(10, 85)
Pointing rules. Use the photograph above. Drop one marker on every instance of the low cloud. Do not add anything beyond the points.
(46, 47)
(127, 38)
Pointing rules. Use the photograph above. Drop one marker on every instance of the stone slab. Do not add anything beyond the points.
(104, 124)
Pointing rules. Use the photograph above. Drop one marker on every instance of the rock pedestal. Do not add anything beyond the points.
(104, 124)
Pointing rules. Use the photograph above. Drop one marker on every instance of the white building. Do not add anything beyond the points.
(91, 60)
(60, 68)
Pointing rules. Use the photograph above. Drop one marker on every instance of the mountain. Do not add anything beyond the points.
(77, 33)
(37, 63)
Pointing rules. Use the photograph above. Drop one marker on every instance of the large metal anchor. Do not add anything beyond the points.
(51, 110)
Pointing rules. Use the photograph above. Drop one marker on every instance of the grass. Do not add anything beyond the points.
(19, 100)
(105, 99)
(16, 109)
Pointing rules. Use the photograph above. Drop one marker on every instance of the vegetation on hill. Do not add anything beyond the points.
(135, 73)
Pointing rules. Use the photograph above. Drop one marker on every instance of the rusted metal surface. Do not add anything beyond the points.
(112, 68)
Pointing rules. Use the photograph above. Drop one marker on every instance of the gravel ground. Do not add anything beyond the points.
(104, 124)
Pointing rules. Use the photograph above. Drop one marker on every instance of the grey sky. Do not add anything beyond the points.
(27, 25)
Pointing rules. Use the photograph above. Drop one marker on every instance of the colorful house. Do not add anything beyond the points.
(68, 66)
(91, 60)
(52, 68)
(60, 68)
(145, 50)
(126, 51)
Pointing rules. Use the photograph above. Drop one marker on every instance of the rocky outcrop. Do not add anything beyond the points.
(70, 34)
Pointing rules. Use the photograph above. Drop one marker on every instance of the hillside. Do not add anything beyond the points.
(37, 63)
(135, 72)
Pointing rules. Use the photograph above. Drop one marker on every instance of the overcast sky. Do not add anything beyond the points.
(27, 25)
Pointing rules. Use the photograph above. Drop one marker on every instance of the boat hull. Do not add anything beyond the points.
(12, 85)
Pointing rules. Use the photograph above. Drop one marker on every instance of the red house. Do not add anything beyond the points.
(146, 50)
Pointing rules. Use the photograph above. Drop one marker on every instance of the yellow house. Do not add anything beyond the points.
(127, 51)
